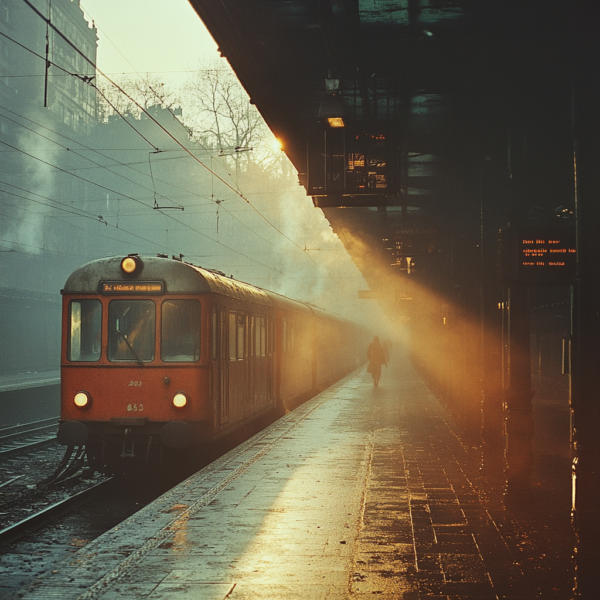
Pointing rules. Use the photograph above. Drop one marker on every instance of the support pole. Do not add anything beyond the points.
(586, 360)
(519, 419)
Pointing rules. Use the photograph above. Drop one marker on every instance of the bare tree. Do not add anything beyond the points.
(147, 92)
(216, 112)
(220, 115)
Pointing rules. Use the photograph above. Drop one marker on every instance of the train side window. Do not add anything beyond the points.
(263, 337)
(232, 336)
(214, 332)
(131, 330)
(257, 330)
(241, 335)
(85, 331)
(223, 334)
(180, 331)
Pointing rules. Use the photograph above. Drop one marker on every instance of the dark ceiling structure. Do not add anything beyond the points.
(422, 129)
(427, 91)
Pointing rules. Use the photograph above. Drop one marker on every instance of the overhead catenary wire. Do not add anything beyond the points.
(57, 204)
(240, 194)
(119, 163)
(169, 216)
(70, 225)
(89, 82)
(140, 202)
(185, 149)
(97, 151)
(104, 222)
(184, 225)
(72, 151)
(85, 79)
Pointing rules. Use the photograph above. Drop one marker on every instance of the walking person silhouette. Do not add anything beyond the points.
(376, 356)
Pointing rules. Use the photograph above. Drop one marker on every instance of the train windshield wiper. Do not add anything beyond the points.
(135, 354)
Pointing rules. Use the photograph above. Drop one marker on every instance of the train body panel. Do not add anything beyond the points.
(295, 352)
(134, 391)
(160, 353)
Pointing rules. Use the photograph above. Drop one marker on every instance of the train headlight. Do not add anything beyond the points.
(130, 264)
(82, 399)
(179, 400)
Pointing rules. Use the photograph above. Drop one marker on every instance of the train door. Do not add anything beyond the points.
(267, 351)
(253, 363)
(215, 383)
(223, 368)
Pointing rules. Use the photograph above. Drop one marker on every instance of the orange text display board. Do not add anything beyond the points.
(544, 255)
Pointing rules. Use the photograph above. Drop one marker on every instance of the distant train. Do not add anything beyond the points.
(159, 354)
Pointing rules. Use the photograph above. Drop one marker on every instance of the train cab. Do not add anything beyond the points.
(161, 354)
(147, 354)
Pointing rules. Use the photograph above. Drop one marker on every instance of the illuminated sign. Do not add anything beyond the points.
(541, 255)
(125, 287)
(351, 163)
(366, 167)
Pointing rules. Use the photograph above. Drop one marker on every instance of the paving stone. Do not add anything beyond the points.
(361, 493)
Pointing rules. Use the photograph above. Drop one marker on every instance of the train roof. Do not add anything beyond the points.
(176, 276)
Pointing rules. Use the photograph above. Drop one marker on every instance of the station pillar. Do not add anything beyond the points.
(519, 418)
(585, 402)
(493, 196)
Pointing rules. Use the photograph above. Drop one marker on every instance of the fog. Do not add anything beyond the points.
(143, 167)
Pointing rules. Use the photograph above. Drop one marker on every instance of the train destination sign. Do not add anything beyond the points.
(541, 254)
(124, 287)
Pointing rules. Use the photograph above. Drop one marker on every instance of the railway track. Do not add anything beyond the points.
(28, 436)
(16, 530)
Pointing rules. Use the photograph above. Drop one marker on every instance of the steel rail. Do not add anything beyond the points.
(13, 532)
(16, 431)
(24, 446)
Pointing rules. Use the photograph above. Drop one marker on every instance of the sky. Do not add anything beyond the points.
(165, 37)
(168, 39)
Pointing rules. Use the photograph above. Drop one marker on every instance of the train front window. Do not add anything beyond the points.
(131, 331)
(85, 331)
(180, 331)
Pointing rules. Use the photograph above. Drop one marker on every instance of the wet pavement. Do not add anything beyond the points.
(361, 492)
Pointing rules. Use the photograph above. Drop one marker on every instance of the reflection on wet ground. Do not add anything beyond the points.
(362, 492)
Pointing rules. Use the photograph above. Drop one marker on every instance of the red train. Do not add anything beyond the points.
(158, 353)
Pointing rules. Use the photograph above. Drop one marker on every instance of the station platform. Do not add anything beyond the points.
(21, 381)
(29, 397)
(361, 492)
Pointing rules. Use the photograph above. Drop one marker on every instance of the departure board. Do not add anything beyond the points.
(540, 255)
(126, 287)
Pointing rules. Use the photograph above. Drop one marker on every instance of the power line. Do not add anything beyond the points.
(128, 165)
(87, 80)
(84, 78)
(143, 204)
(88, 215)
(110, 170)
(134, 72)
(177, 141)
(76, 153)
(83, 213)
